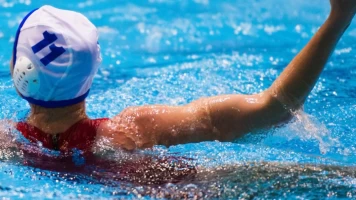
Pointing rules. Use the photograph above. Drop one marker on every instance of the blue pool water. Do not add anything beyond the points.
(175, 51)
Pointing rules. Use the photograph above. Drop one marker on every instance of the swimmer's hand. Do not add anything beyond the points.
(343, 8)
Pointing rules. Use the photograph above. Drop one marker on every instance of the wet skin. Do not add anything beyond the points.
(228, 117)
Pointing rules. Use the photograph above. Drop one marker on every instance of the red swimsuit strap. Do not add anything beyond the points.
(80, 135)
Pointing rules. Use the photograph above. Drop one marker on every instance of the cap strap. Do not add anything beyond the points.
(56, 104)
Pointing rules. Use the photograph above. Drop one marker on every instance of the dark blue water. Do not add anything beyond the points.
(176, 51)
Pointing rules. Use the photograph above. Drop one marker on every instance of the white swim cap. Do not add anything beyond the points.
(56, 55)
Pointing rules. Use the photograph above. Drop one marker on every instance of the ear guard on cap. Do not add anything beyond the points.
(26, 77)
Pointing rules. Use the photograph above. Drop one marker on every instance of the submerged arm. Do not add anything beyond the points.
(227, 117)
(8, 146)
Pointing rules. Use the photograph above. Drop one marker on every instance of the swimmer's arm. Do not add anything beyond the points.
(291, 88)
(7, 139)
(222, 118)
(228, 117)
(5, 130)
(295, 83)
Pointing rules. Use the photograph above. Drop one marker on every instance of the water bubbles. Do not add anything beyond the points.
(87, 3)
(40, 144)
(106, 31)
(273, 29)
(151, 60)
(343, 51)
(7, 4)
(26, 2)
(298, 28)
(316, 131)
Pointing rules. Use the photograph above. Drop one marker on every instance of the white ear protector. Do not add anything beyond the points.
(26, 77)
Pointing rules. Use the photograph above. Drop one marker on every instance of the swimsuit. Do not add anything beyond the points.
(143, 169)
(80, 135)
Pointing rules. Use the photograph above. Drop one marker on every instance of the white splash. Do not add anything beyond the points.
(308, 128)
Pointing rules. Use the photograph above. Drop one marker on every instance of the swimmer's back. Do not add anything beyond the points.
(80, 136)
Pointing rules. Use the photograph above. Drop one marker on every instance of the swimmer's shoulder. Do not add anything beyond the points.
(128, 129)
(112, 133)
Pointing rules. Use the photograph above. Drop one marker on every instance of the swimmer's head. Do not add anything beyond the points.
(55, 57)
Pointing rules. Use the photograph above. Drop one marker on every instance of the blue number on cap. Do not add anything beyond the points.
(55, 51)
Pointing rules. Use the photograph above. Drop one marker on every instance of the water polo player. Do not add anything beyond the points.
(56, 55)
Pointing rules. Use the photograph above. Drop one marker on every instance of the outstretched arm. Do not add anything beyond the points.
(298, 79)
(228, 117)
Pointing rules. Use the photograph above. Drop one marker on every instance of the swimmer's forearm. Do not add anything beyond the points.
(298, 79)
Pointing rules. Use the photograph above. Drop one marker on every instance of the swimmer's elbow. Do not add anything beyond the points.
(277, 112)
